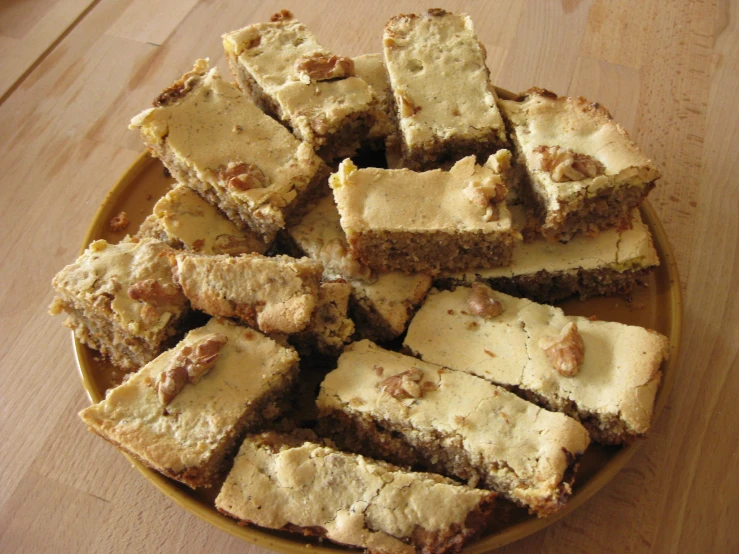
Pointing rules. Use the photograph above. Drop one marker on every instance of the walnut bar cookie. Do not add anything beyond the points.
(281, 65)
(185, 221)
(409, 412)
(121, 301)
(401, 220)
(273, 294)
(214, 139)
(184, 413)
(288, 483)
(446, 107)
(585, 174)
(612, 263)
(604, 374)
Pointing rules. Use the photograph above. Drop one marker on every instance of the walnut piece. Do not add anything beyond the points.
(282, 15)
(406, 107)
(566, 351)
(181, 87)
(189, 366)
(482, 302)
(154, 293)
(243, 176)
(565, 165)
(403, 385)
(320, 66)
(119, 222)
(233, 246)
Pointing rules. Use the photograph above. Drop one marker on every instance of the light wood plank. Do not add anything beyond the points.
(39, 38)
(143, 19)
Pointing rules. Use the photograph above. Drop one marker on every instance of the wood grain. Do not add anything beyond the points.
(78, 70)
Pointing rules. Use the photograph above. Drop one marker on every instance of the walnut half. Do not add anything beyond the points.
(403, 385)
(481, 302)
(566, 351)
(565, 165)
(242, 176)
(189, 366)
(320, 66)
(155, 294)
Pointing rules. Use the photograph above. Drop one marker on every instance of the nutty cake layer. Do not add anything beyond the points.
(120, 300)
(611, 263)
(290, 75)
(423, 222)
(410, 412)
(184, 412)
(292, 484)
(381, 303)
(604, 374)
(214, 139)
(584, 173)
(446, 107)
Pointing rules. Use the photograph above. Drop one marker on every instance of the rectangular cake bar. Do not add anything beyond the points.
(409, 412)
(401, 220)
(287, 483)
(121, 301)
(382, 303)
(291, 76)
(371, 69)
(273, 294)
(214, 139)
(611, 263)
(446, 107)
(184, 413)
(185, 221)
(584, 173)
(604, 374)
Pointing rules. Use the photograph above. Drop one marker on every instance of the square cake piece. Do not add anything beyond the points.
(400, 220)
(185, 221)
(409, 412)
(611, 263)
(604, 374)
(286, 483)
(121, 301)
(273, 294)
(382, 303)
(584, 172)
(446, 107)
(290, 75)
(184, 413)
(214, 139)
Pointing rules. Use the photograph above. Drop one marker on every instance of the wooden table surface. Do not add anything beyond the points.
(72, 73)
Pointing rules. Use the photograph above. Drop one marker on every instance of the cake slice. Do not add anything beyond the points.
(185, 221)
(401, 220)
(409, 412)
(585, 174)
(611, 263)
(281, 65)
(371, 69)
(604, 374)
(273, 294)
(381, 303)
(214, 139)
(121, 301)
(290, 484)
(184, 413)
(445, 105)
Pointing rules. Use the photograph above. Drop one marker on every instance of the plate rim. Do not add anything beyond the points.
(294, 545)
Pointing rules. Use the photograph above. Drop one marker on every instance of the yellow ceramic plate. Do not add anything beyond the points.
(657, 306)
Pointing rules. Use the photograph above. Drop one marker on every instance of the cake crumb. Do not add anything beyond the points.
(119, 223)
